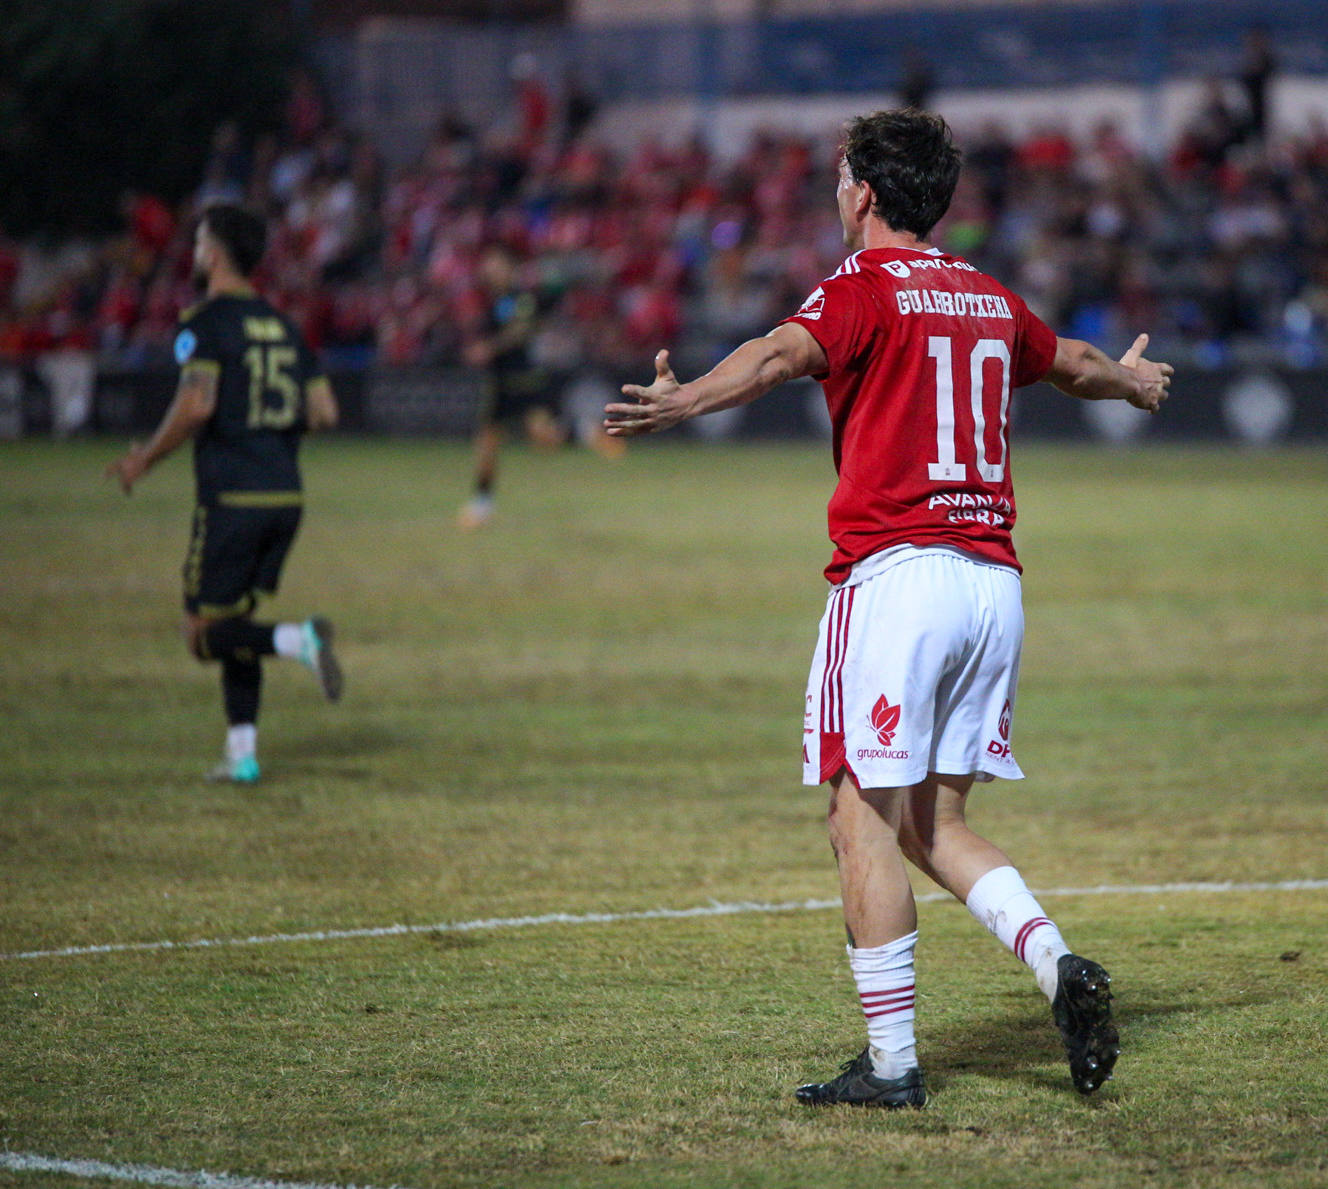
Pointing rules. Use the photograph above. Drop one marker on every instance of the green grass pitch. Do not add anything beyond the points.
(594, 706)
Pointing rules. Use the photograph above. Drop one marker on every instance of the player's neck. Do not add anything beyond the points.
(225, 283)
(876, 234)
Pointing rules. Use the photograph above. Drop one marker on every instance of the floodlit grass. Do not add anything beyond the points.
(594, 706)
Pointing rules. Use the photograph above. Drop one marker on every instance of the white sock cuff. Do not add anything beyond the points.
(882, 959)
(241, 741)
(288, 639)
(994, 891)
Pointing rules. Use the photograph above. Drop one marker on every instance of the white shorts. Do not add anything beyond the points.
(915, 671)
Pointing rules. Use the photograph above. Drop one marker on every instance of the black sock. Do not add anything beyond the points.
(238, 638)
(241, 688)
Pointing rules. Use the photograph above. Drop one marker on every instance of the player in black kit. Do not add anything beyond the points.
(249, 388)
(518, 392)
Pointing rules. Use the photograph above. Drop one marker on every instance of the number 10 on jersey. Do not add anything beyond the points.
(950, 452)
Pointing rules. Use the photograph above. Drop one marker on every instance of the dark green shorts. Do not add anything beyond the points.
(236, 554)
(510, 395)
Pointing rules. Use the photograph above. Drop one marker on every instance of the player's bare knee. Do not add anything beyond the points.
(856, 815)
(949, 829)
(915, 849)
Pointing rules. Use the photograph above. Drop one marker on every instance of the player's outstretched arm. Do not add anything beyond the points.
(195, 398)
(1081, 370)
(787, 352)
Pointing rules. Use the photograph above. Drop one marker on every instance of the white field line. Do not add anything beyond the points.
(146, 1174)
(649, 914)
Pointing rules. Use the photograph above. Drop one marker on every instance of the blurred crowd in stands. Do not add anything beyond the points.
(1220, 248)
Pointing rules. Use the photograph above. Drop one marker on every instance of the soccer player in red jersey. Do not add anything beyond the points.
(912, 689)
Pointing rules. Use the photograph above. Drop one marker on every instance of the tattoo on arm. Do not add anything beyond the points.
(198, 388)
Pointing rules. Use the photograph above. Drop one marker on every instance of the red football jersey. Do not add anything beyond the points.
(923, 352)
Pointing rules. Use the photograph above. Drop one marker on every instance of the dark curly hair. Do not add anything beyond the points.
(911, 163)
(240, 231)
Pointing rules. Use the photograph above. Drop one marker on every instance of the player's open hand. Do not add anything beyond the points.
(660, 406)
(129, 468)
(1154, 378)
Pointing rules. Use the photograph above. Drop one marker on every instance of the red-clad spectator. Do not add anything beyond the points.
(652, 313)
(356, 310)
(160, 313)
(151, 222)
(9, 268)
(306, 114)
(534, 107)
(13, 338)
(118, 310)
(1049, 149)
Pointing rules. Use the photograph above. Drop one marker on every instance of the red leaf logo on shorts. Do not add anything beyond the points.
(885, 720)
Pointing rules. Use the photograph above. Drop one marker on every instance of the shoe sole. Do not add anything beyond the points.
(224, 775)
(915, 1100)
(329, 671)
(1082, 1011)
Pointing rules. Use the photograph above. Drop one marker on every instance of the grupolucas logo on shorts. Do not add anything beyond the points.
(885, 720)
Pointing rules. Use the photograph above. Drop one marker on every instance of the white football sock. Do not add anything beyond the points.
(241, 741)
(1002, 903)
(884, 975)
(288, 640)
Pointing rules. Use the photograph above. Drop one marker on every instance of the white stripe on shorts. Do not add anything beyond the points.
(832, 684)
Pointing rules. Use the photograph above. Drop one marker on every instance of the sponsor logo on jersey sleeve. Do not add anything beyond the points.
(812, 307)
(186, 343)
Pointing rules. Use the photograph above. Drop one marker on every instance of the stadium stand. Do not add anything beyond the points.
(1219, 245)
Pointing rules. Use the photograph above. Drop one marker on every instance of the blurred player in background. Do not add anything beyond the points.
(912, 690)
(518, 391)
(249, 388)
